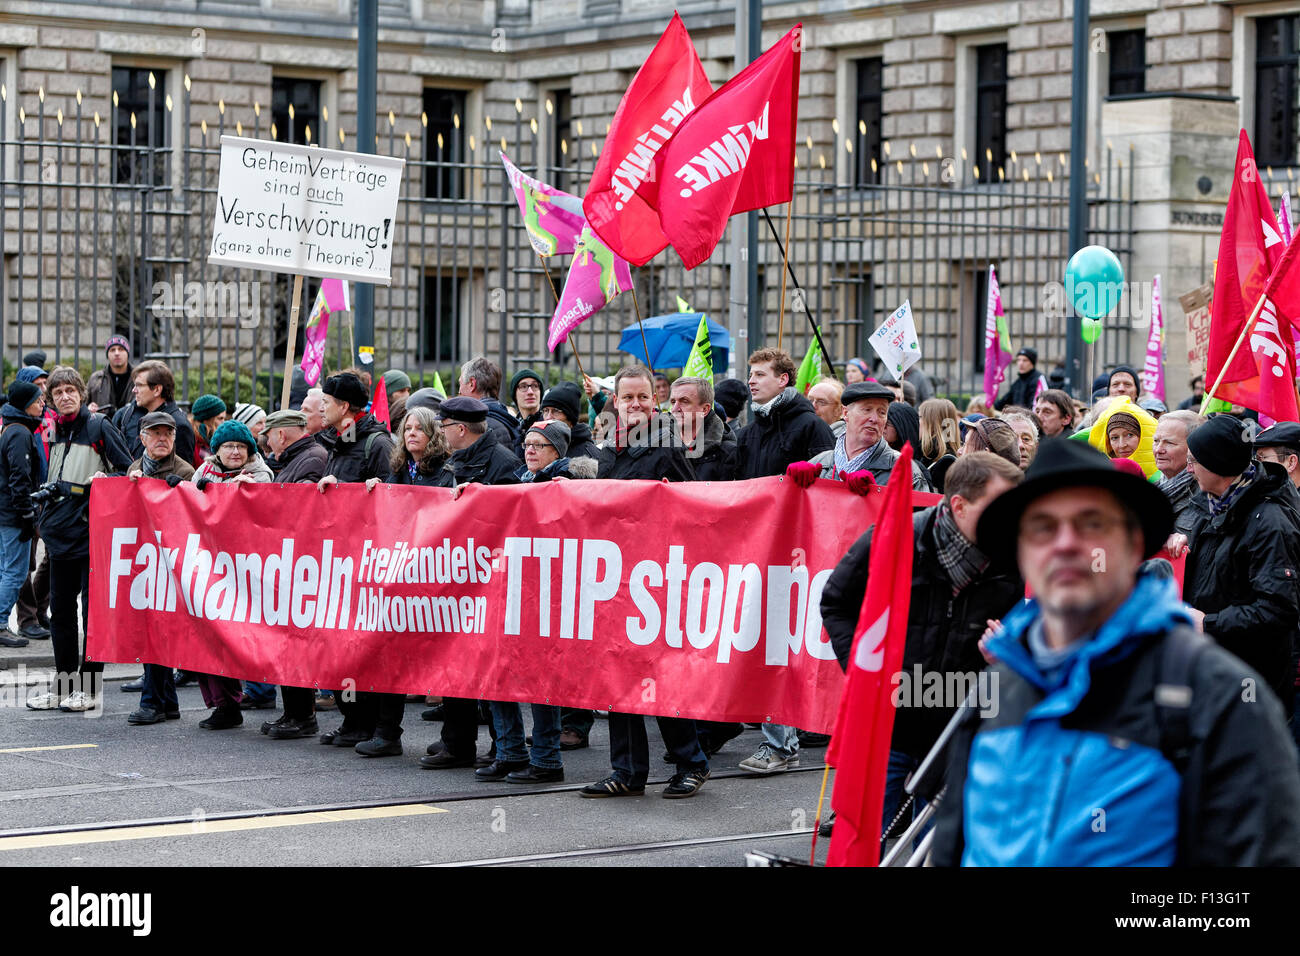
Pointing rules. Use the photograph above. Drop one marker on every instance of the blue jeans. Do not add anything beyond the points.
(508, 720)
(159, 691)
(14, 558)
(900, 765)
(782, 738)
(262, 693)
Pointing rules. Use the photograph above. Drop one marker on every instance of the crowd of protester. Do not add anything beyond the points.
(1030, 490)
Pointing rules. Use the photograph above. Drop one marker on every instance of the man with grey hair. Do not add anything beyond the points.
(481, 379)
(313, 406)
(825, 398)
(710, 443)
(1281, 443)
(1170, 448)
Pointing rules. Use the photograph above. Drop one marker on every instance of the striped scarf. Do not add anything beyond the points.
(844, 464)
(962, 561)
(1239, 484)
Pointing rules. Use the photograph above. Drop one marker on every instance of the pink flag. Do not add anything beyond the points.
(997, 341)
(596, 276)
(1284, 216)
(552, 218)
(332, 297)
(1153, 371)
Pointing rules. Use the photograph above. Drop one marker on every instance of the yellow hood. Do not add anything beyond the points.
(1145, 454)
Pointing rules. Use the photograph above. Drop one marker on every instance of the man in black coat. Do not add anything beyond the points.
(476, 458)
(956, 591)
(1027, 383)
(20, 475)
(709, 441)
(481, 379)
(785, 427)
(357, 447)
(564, 402)
(645, 445)
(1243, 567)
(155, 391)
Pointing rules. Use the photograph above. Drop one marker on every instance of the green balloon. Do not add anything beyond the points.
(1091, 330)
(1094, 281)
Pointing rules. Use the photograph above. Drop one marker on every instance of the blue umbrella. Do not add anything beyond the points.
(670, 338)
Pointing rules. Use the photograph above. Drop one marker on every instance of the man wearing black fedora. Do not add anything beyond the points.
(1122, 736)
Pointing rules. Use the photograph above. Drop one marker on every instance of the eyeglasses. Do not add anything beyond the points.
(535, 445)
(1089, 526)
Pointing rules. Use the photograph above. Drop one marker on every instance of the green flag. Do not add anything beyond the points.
(810, 370)
(682, 305)
(700, 362)
(437, 385)
(1211, 405)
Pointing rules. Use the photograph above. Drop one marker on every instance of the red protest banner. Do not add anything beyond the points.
(563, 594)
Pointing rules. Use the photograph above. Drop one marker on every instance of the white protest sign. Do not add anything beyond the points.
(306, 210)
(896, 342)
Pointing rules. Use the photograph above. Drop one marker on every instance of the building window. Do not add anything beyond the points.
(1276, 59)
(303, 126)
(444, 147)
(1128, 61)
(990, 110)
(561, 136)
(979, 279)
(866, 149)
(140, 128)
(440, 324)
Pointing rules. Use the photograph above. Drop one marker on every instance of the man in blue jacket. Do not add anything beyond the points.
(1122, 737)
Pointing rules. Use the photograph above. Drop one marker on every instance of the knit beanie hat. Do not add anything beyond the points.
(395, 380)
(555, 432)
(22, 394)
(36, 357)
(567, 397)
(117, 340)
(346, 387)
(249, 414)
(522, 374)
(30, 373)
(233, 431)
(1221, 446)
(207, 406)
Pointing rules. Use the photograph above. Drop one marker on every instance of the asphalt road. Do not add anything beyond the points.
(94, 791)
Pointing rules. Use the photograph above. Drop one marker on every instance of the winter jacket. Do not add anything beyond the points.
(429, 473)
(653, 453)
(364, 456)
(714, 454)
(127, 421)
(486, 462)
(20, 465)
(171, 465)
(1243, 572)
(86, 445)
(304, 460)
(943, 631)
(1144, 455)
(502, 424)
(1085, 770)
(582, 446)
(560, 468)
(881, 466)
(790, 432)
(521, 428)
(1022, 390)
(107, 395)
(212, 471)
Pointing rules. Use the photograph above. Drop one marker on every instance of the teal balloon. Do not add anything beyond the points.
(1091, 330)
(1094, 280)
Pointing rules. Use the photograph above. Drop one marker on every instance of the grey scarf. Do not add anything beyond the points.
(767, 408)
(957, 555)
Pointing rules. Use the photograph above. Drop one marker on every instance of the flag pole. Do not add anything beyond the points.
(287, 386)
(1233, 354)
(780, 325)
(569, 338)
(645, 345)
(817, 823)
(795, 279)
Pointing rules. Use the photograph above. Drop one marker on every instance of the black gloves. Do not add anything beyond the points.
(174, 480)
(27, 527)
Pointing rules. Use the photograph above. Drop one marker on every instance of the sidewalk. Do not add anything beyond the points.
(39, 655)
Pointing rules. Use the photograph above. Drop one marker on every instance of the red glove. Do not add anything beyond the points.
(803, 473)
(860, 482)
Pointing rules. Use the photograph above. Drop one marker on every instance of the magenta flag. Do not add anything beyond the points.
(997, 341)
(332, 297)
(552, 217)
(596, 275)
(1153, 371)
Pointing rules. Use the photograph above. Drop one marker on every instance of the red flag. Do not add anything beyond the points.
(668, 87)
(1258, 376)
(379, 404)
(733, 154)
(859, 748)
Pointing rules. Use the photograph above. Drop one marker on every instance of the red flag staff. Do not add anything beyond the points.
(789, 210)
(569, 341)
(816, 328)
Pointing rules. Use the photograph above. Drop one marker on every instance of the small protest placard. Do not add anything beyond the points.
(305, 210)
(1196, 305)
(896, 342)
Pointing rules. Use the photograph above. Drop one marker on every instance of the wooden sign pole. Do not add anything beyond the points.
(288, 346)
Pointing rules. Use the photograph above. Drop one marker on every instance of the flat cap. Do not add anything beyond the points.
(860, 390)
(462, 408)
(286, 418)
(1283, 434)
(156, 419)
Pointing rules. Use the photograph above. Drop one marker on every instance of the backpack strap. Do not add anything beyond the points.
(1173, 700)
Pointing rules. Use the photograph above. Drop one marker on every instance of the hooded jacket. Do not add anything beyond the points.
(1073, 770)
(20, 464)
(1145, 455)
(943, 631)
(110, 393)
(128, 419)
(1022, 390)
(1243, 572)
(501, 423)
(486, 462)
(86, 445)
(790, 432)
(581, 444)
(304, 460)
(560, 468)
(364, 456)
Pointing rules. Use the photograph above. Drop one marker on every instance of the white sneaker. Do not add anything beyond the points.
(768, 760)
(43, 702)
(77, 701)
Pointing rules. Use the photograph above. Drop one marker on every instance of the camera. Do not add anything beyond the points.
(46, 493)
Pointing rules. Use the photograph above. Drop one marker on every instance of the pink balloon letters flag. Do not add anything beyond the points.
(332, 297)
(553, 218)
(596, 276)
(1153, 372)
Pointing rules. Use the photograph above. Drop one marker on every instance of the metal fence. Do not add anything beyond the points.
(108, 234)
